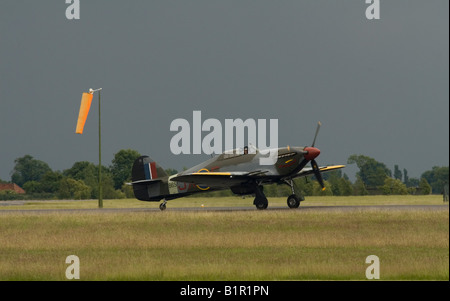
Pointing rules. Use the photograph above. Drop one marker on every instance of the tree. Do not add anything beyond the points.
(122, 165)
(412, 182)
(394, 186)
(73, 189)
(424, 186)
(340, 184)
(28, 169)
(371, 172)
(108, 188)
(345, 187)
(318, 191)
(437, 177)
(405, 177)
(127, 191)
(397, 173)
(83, 170)
(32, 187)
(87, 172)
(359, 188)
(302, 186)
(333, 178)
(50, 181)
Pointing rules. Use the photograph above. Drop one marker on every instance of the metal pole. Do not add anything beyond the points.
(100, 190)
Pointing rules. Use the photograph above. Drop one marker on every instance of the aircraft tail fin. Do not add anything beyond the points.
(148, 179)
(144, 168)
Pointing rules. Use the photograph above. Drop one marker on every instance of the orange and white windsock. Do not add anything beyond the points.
(86, 101)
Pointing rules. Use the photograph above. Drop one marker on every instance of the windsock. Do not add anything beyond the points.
(86, 101)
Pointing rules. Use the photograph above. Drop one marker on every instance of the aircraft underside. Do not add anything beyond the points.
(261, 202)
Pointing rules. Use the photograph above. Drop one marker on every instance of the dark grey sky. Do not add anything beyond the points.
(380, 88)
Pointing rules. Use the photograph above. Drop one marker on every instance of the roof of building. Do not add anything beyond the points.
(11, 186)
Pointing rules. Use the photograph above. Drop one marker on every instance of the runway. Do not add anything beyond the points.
(231, 209)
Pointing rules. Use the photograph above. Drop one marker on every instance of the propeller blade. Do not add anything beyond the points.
(317, 173)
(317, 131)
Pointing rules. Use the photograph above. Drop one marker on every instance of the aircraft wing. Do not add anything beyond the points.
(227, 179)
(215, 179)
(308, 171)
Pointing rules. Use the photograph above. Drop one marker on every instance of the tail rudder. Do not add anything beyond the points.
(149, 179)
(144, 168)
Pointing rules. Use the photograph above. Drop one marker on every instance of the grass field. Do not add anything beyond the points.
(241, 245)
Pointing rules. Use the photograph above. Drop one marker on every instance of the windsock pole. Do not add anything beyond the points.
(100, 188)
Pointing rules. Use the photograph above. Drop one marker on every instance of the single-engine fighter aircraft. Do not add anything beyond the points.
(238, 170)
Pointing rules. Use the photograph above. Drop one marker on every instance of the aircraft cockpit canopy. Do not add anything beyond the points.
(246, 150)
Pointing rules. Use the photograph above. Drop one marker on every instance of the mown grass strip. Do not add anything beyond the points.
(255, 245)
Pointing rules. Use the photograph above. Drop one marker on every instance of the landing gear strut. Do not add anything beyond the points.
(260, 201)
(162, 206)
(293, 201)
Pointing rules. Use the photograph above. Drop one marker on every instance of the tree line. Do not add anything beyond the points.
(78, 182)
(81, 180)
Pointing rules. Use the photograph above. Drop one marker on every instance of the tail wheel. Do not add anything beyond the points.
(293, 201)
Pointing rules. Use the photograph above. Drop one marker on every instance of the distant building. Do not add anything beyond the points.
(11, 186)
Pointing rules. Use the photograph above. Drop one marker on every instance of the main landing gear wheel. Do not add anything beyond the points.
(293, 201)
(261, 205)
(260, 201)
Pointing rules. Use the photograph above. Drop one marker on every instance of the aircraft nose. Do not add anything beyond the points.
(312, 153)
